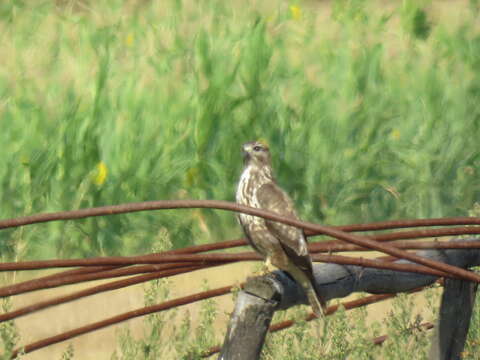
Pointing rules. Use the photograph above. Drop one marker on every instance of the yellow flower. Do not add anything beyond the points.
(129, 39)
(395, 134)
(296, 12)
(101, 174)
(191, 177)
(349, 152)
(24, 160)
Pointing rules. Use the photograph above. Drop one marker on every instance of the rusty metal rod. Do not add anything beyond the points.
(400, 235)
(166, 270)
(38, 283)
(170, 272)
(206, 259)
(92, 291)
(66, 278)
(334, 245)
(175, 303)
(55, 280)
(331, 246)
(104, 263)
(381, 339)
(202, 259)
(326, 246)
(367, 300)
(407, 245)
(25, 287)
(215, 204)
(421, 233)
(131, 260)
(131, 314)
(348, 305)
(224, 205)
(119, 318)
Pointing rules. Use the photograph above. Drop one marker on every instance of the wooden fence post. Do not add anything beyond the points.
(262, 296)
(456, 309)
(250, 320)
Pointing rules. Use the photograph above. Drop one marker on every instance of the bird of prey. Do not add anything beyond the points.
(281, 245)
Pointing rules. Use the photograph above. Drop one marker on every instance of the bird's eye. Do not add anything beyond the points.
(257, 148)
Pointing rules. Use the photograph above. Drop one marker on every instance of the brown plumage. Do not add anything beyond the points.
(282, 245)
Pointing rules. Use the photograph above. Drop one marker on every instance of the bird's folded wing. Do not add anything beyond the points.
(270, 197)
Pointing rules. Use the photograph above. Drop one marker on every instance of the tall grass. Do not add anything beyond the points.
(372, 112)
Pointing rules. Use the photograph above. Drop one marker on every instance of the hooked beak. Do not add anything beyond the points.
(245, 154)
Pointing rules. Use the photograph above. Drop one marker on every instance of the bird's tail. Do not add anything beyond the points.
(318, 305)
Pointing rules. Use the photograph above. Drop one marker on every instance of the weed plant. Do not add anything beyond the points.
(163, 338)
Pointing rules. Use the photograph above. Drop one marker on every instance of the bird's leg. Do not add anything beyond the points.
(268, 265)
(265, 268)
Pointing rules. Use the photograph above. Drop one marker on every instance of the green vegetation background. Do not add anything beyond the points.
(372, 113)
(371, 109)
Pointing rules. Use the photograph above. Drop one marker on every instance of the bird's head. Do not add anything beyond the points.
(256, 153)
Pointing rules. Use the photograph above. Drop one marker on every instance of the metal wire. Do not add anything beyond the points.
(220, 205)
(229, 206)
(182, 260)
(119, 318)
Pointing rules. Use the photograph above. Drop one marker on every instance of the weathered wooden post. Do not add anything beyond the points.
(250, 320)
(262, 296)
(456, 309)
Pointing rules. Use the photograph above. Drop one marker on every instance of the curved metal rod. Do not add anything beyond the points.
(220, 205)
(203, 259)
(128, 260)
(179, 302)
(66, 277)
(225, 205)
(111, 262)
(348, 305)
(29, 286)
(180, 268)
(119, 318)
(44, 304)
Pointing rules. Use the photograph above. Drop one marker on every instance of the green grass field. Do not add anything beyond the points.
(372, 113)
(371, 110)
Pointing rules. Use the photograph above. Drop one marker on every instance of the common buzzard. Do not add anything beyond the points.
(282, 245)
